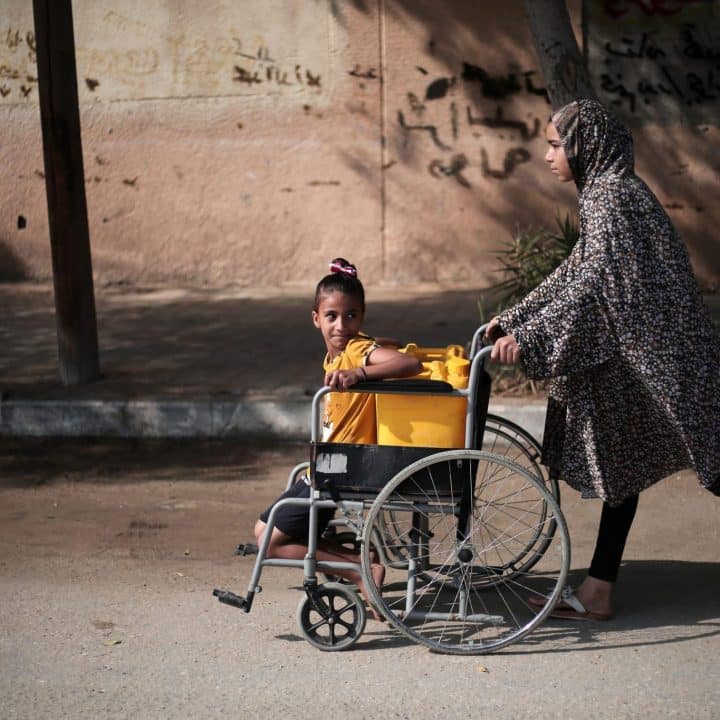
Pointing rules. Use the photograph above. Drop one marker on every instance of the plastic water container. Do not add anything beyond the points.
(427, 420)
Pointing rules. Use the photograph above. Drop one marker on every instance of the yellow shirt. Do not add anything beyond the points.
(350, 417)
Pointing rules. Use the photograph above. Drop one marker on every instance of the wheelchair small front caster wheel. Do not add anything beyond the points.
(333, 618)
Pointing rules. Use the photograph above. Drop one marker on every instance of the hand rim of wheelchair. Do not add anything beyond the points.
(516, 586)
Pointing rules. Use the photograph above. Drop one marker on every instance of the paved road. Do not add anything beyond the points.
(109, 551)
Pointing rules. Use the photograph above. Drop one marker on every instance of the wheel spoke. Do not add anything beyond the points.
(317, 625)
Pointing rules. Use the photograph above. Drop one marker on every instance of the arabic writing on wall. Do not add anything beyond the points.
(126, 58)
(18, 75)
(656, 59)
(460, 128)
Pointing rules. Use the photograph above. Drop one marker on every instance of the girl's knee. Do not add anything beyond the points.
(260, 527)
(277, 537)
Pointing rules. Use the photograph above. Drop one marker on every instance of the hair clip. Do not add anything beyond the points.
(340, 265)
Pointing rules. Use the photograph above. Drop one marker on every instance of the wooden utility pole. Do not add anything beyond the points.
(65, 186)
(566, 74)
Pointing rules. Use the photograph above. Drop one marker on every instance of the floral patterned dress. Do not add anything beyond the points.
(622, 329)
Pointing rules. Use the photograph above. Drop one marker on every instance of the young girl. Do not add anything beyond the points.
(352, 357)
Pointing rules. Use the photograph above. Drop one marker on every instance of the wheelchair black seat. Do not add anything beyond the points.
(345, 469)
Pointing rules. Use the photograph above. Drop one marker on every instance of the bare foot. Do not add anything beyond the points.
(378, 575)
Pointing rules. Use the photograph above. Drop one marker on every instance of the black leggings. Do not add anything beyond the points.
(614, 527)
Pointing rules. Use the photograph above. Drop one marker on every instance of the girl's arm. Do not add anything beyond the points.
(384, 362)
(381, 363)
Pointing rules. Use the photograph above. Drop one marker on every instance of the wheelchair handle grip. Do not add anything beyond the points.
(479, 340)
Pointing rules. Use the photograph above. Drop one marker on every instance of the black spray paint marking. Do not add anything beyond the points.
(513, 157)
(439, 88)
(369, 74)
(430, 129)
(498, 87)
(415, 105)
(499, 121)
(457, 164)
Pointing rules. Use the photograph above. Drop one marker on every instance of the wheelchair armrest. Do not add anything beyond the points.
(404, 386)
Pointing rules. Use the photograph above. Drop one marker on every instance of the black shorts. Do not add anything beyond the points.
(294, 520)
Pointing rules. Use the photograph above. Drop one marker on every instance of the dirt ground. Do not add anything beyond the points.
(109, 552)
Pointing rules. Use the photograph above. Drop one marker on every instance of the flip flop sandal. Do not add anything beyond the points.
(569, 607)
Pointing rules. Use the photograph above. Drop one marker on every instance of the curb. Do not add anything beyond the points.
(271, 419)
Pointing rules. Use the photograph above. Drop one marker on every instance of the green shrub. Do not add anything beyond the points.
(527, 259)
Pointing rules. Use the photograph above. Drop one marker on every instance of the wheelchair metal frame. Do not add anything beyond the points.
(355, 507)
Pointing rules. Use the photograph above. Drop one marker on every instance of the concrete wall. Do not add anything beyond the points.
(249, 142)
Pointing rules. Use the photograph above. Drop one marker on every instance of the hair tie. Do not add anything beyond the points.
(342, 266)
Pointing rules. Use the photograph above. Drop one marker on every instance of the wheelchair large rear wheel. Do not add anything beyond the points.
(465, 517)
(506, 438)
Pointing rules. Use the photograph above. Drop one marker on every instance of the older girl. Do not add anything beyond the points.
(621, 329)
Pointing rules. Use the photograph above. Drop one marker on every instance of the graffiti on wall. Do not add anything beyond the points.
(656, 59)
(466, 138)
(259, 47)
(18, 75)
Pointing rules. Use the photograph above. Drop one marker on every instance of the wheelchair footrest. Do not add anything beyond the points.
(246, 549)
(230, 598)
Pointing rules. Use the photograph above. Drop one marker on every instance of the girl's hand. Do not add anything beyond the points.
(493, 331)
(344, 379)
(506, 350)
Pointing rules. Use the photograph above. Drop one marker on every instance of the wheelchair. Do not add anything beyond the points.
(465, 535)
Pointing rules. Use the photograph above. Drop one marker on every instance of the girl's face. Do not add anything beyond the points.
(556, 155)
(339, 318)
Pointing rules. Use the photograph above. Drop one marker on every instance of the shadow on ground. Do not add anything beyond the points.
(659, 602)
(30, 462)
(191, 343)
